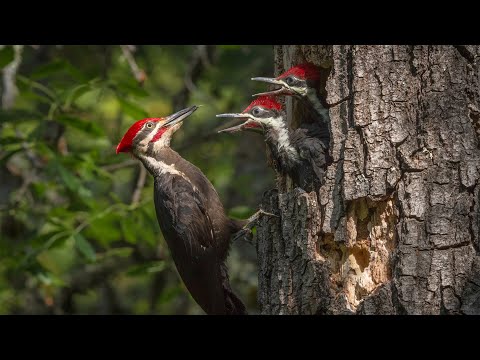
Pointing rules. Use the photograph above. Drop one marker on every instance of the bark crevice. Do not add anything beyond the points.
(395, 228)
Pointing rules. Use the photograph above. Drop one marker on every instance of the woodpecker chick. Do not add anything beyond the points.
(300, 153)
(302, 82)
(189, 212)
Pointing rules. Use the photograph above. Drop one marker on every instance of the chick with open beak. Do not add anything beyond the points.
(300, 153)
(299, 81)
(257, 116)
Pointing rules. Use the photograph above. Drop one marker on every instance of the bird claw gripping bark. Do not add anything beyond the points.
(257, 215)
(246, 232)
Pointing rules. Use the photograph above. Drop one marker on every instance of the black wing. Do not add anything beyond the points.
(189, 233)
(312, 150)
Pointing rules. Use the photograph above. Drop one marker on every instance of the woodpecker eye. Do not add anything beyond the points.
(149, 125)
(290, 80)
(256, 111)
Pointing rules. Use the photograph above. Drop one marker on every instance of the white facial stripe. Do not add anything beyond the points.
(166, 137)
(299, 90)
(144, 143)
(272, 121)
(317, 105)
(295, 89)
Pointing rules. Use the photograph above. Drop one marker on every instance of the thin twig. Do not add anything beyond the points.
(31, 156)
(137, 193)
(202, 58)
(138, 73)
(10, 90)
(204, 55)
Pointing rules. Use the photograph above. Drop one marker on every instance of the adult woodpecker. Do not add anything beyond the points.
(300, 153)
(302, 82)
(189, 212)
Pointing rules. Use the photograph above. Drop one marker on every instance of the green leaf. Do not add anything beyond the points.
(57, 221)
(170, 293)
(74, 72)
(120, 252)
(57, 260)
(41, 240)
(241, 212)
(74, 93)
(51, 68)
(49, 93)
(105, 229)
(49, 279)
(17, 115)
(70, 181)
(132, 109)
(39, 188)
(157, 268)
(7, 54)
(129, 229)
(148, 268)
(44, 278)
(131, 88)
(10, 140)
(84, 247)
(87, 126)
(8, 155)
(84, 193)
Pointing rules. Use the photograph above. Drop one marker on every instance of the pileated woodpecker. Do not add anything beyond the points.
(189, 212)
(302, 82)
(300, 153)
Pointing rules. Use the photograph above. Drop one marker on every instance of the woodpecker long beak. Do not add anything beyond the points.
(233, 129)
(284, 90)
(268, 80)
(234, 115)
(179, 116)
(248, 124)
(236, 128)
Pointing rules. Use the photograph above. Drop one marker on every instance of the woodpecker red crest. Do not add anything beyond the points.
(306, 71)
(150, 130)
(125, 144)
(262, 107)
(267, 102)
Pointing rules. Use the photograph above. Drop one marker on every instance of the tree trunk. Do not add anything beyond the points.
(395, 227)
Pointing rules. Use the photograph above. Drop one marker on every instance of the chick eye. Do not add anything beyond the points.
(256, 111)
(289, 80)
(149, 125)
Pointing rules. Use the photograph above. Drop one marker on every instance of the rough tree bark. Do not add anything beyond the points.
(395, 228)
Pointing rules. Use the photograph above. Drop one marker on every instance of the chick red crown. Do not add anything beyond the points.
(265, 101)
(303, 72)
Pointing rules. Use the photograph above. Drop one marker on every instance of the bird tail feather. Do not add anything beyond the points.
(233, 304)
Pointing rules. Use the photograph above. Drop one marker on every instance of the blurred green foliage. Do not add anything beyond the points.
(73, 238)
